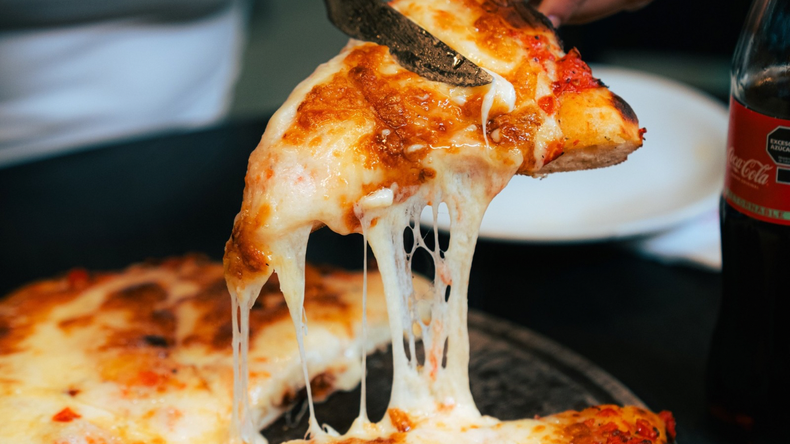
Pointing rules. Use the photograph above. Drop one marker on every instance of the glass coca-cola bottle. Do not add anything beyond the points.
(748, 381)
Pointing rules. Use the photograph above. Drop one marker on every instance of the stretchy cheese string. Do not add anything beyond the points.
(416, 388)
(289, 263)
(363, 408)
(242, 429)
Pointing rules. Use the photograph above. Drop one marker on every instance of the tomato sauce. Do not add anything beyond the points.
(573, 75)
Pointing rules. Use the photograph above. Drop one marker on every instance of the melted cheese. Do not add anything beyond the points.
(501, 89)
(427, 389)
(311, 177)
(144, 355)
(362, 146)
(466, 185)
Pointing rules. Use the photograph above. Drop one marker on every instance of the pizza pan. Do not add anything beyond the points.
(515, 373)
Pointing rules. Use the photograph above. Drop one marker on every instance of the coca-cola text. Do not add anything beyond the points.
(751, 169)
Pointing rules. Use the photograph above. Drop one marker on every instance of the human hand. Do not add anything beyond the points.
(561, 12)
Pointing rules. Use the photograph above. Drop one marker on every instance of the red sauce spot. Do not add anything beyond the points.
(434, 366)
(78, 278)
(400, 420)
(609, 427)
(539, 48)
(643, 428)
(574, 75)
(607, 412)
(148, 378)
(65, 415)
(669, 420)
(548, 104)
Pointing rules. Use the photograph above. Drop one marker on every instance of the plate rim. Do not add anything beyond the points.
(632, 229)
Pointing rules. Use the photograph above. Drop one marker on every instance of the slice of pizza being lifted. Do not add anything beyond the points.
(362, 128)
(363, 145)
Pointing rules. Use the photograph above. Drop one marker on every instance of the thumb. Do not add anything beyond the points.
(559, 11)
(583, 11)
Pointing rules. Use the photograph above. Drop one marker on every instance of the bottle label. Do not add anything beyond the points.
(757, 182)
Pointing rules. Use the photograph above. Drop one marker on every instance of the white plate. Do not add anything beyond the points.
(677, 174)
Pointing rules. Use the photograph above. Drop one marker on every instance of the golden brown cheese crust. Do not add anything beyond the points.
(600, 130)
(145, 354)
(369, 124)
(603, 424)
(405, 114)
(150, 310)
(613, 424)
(411, 111)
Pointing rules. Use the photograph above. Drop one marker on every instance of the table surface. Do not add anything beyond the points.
(645, 323)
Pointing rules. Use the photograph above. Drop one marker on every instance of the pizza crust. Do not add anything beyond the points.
(600, 130)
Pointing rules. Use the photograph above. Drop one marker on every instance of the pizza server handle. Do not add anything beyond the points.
(413, 47)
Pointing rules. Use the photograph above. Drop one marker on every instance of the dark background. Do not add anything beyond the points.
(681, 26)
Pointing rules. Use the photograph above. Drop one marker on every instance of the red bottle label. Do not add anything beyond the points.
(758, 165)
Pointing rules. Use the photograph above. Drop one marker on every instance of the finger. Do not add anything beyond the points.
(637, 5)
(592, 10)
(559, 11)
(584, 11)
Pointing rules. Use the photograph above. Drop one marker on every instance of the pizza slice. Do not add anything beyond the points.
(144, 355)
(608, 424)
(362, 131)
(363, 146)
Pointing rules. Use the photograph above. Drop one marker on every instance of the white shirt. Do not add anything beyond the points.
(70, 87)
